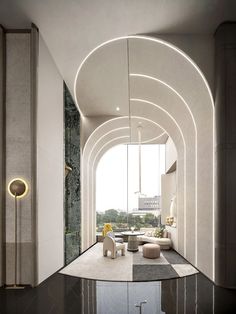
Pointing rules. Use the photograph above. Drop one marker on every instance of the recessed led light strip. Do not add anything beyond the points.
(90, 138)
(156, 40)
(110, 121)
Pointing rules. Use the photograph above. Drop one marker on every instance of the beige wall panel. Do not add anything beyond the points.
(2, 154)
(200, 48)
(50, 170)
(171, 154)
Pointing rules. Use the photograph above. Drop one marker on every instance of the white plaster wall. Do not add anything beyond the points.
(200, 49)
(171, 154)
(50, 166)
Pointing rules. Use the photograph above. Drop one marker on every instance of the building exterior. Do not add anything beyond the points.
(149, 203)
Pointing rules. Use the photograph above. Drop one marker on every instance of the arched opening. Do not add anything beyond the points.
(128, 186)
(135, 77)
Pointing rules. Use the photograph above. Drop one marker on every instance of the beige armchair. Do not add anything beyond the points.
(112, 235)
(109, 244)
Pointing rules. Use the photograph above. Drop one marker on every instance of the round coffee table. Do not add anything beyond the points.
(132, 239)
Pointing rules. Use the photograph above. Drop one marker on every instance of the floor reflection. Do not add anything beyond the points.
(66, 294)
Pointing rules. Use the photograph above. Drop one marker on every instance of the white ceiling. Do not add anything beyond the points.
(72, 28)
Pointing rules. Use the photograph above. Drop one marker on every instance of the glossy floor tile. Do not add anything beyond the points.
(61, 294)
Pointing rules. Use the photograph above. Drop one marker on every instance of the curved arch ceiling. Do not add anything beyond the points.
(154, 84)
(102, 80)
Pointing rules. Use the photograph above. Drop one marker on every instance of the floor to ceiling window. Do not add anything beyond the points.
(128, 186)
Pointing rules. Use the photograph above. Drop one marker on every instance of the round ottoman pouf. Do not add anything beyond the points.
(151, 250)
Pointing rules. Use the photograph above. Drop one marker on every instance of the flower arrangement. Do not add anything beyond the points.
(106, 228)
(159, 232)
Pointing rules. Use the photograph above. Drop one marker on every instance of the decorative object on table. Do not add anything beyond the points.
(106, 228)
(151, 250)
(173, 206)
(109, 244)
(67, 169)
(132, 229)
(112, 235)
(17, 188)
(169, 220)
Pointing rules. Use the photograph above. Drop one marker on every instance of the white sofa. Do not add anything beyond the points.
(165, 242)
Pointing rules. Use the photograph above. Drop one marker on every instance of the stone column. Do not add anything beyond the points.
(225, 105)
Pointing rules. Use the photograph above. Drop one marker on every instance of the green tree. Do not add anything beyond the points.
(111, 215)
(149, 219)
(99, 218)
(122, 217)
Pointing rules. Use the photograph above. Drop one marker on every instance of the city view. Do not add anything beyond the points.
(118, 199)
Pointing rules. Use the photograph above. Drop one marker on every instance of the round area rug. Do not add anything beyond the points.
(131, 267)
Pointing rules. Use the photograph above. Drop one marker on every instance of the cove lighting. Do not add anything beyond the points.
(18, 183)
(144, 76)
(147, 38)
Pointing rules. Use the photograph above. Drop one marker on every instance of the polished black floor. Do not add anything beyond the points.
(65, 294)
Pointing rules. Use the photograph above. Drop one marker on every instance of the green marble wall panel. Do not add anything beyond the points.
(72, 180)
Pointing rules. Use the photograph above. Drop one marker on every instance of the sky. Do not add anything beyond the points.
(112, 176)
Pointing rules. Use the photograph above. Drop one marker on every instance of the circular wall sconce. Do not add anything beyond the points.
(18, 187)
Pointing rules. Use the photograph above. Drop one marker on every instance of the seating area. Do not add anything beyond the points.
(151, 240)
(164, 242)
